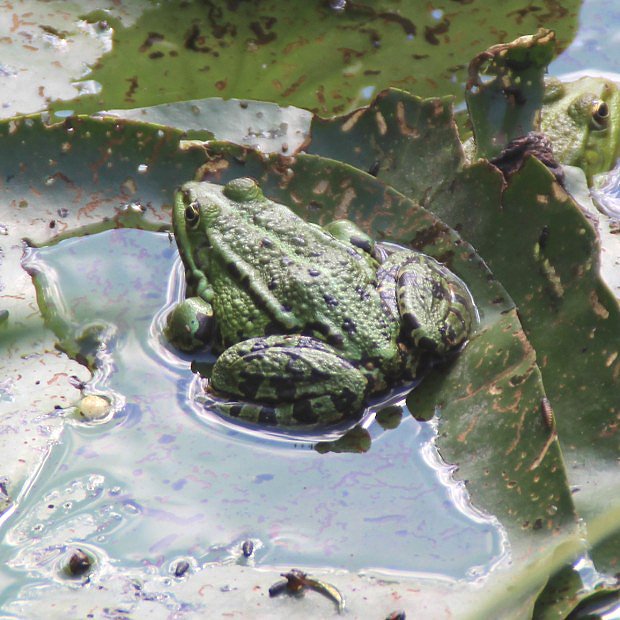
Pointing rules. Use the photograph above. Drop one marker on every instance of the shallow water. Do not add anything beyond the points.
(163, 479)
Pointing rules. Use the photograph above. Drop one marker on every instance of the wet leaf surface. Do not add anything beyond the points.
(545, 250)
(262, 50)
(504, 106)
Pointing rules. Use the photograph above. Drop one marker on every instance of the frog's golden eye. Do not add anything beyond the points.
(600, 114)
(192, 215)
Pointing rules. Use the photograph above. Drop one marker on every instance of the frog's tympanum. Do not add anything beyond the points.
(308, 322)
(582, 119)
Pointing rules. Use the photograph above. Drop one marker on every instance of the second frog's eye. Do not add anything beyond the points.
(600, 114)
(192, 214)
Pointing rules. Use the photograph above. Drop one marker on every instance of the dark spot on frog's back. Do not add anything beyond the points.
(284, 387)
(363, 293)
(266, 243)
(267, 416)
(330, 300)
(323, 329)
(348, 325)
(304, 413)
(408, 280)
(344, 399)
(361, 243)
(250, 383)
(234, 270)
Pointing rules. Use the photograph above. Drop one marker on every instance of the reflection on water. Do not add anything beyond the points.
(161, 479)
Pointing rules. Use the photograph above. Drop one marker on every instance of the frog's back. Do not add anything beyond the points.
(301, 278)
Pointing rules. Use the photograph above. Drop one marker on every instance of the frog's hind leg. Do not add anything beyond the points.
(435, 306)
(289, 381)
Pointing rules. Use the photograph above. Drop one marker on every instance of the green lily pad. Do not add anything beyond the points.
(316, 56)
(542, 248)
(264, 126)
(390, 140)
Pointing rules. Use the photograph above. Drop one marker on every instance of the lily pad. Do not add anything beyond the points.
(265, 51)
(100, 167)
(507, 104)
(544, 250)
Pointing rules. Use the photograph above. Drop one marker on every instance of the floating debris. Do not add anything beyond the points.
(295, 582)
(389, 417)
(247, 548)
(5, 498)
(181, 568)
(79, 563)
(94, 407)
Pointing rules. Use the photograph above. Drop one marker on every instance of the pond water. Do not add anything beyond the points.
(162, 479)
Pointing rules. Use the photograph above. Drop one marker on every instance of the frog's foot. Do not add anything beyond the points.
(189, 326)
(435, 307)
(288, 380)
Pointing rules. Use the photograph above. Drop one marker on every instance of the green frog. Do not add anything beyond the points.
(308, 321)
(582, 119)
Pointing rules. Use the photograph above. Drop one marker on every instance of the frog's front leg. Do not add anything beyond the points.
(289, 380)
(435, 307)
(190, 325)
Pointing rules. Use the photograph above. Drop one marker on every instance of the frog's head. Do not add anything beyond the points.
(197, 206)
(582, 119)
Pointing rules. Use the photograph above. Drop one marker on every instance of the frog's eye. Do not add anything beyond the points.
(600, 114)
(192, 215)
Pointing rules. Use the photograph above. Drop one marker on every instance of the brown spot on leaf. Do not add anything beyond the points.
(133, 87)
(151, 39)
(403, 127)
(597, 306)
(381, 124)
(294, 86)
(352, 120)
(431, 32)
(263, 36)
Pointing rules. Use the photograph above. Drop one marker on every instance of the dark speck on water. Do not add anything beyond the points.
(263, 478)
